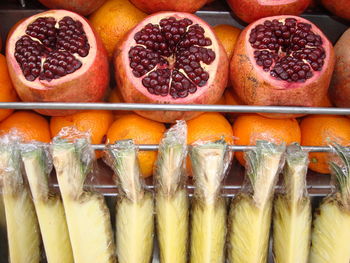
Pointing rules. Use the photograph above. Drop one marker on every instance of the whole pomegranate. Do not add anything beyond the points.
(55, 56)
(83, 7)
(171, 58)
(252, 10)
(282, 60)
(340, 8)
(340, 85)
(153, 6)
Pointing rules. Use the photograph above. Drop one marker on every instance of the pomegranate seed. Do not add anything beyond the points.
(54, 46)
(180, 48)
(289, 50)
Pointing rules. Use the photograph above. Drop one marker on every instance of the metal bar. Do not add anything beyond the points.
(236, 148)
(172, 107)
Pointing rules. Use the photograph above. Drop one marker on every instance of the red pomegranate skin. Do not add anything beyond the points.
(82, 7)
(153, 6)
(340, 85)
(255, 88)
(132, 94)
(83, 85)
(252, 10)
(340, 8)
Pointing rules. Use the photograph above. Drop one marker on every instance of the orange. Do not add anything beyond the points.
(113, 20)
(142, 131)
(7, 92)
(208, 126)
(96, 122)
(30, 125)
(319, 130)
(249, 128)
(228, 36)
(116, 97)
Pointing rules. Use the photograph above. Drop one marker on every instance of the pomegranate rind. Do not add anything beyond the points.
(82, 7)
(133, 91)
(151, 7)
(252, 10)
(256, 87)
(338, 7)
(87, 84)
(340, 85)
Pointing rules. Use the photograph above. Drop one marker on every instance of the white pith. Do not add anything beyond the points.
(282, 84)
(58, 15)
(155, 19)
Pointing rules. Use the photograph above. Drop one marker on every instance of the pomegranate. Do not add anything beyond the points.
(55, 56)
(252, 10)
(340, 85)
(82, 7)
(282, 60)
(153, 6)
(171, 58)
(338, 7)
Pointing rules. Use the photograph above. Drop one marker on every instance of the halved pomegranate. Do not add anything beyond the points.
(282, 60)
(171, 57)
(340, 85)
(340, 8)
(153, 6)
(252, 10)
(82, 7)
(55, 56)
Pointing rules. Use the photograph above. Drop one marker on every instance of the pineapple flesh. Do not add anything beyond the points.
(292, 211)
(331, 232)
(208, 222)
(88, 217)
(250, 212)
(172, 204)
(23, 232)
(48, 206)
(135, 206)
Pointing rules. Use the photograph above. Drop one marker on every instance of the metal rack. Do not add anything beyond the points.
(318, 185)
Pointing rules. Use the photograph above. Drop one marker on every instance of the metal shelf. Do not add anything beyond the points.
(173, 107)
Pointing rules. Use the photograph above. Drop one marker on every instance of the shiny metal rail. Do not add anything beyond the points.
(172, 107)
(236, 148)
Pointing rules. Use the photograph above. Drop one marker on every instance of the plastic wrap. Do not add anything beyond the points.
(22, 226)
(331, 232)
(251, 210)
(135, 205)
(292, 211)
(172, 204)
(48, 205)
(87, 214)
(210, 161)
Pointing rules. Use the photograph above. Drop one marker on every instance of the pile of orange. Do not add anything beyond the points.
(29, 125)
(113, 20)
(249, 128)
(320, 130)
(7, 94)
(142, 131)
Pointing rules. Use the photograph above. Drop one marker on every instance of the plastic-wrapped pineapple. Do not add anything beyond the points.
(87, 215)
(135, 206)
(250, 212)
(172, 204)
(331, 232)
(23, 232)
(210, 161)
(48, 205)
(292, 211)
